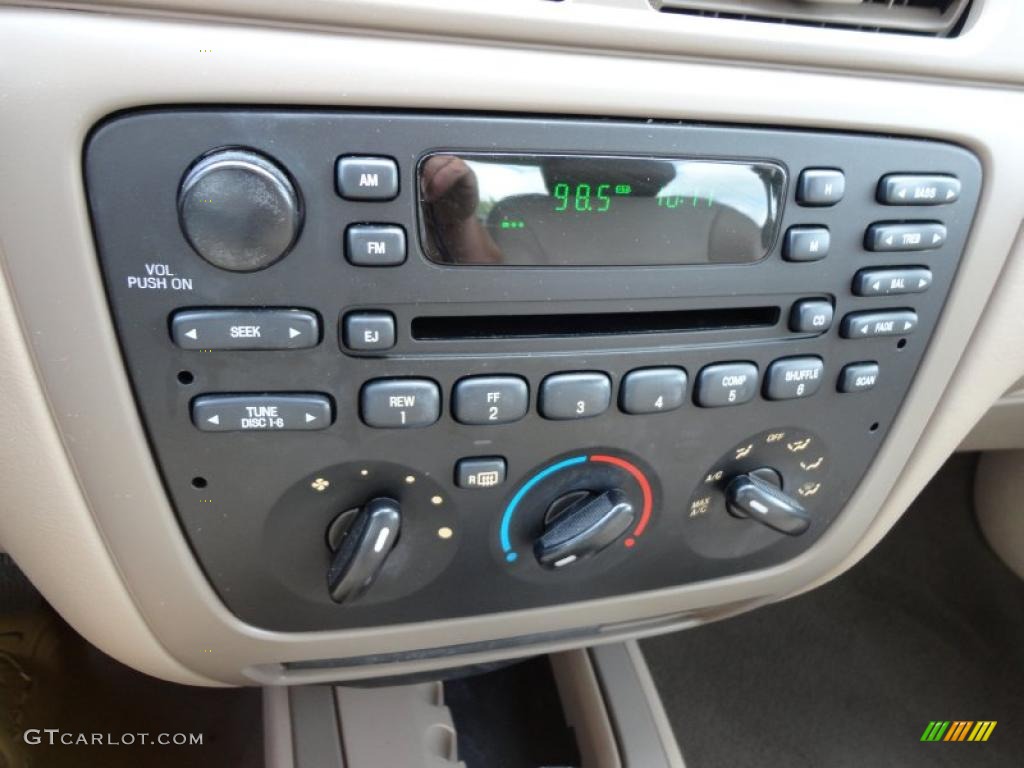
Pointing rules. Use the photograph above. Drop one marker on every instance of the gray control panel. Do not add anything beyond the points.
(398, 367)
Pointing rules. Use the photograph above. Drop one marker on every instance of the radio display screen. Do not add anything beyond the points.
(579, 210)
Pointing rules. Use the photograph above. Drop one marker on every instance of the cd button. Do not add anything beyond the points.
(811, 316)
(726, 384)
(490, 399)
(575, 395)
(806, 243)
(653, 390)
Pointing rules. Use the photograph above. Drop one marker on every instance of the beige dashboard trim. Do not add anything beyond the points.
(72, 69)
(987, 50)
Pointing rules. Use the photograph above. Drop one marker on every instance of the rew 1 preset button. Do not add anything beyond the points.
(892, 282)
(726, 384)
(490, 399)
(918, 189)
(400, 403)
(793, 377)
(575, 395)
(245, 329)
(865, 325)
(913, 236)
(261, 413)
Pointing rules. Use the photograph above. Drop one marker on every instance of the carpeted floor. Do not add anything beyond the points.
(929, 626)
(50, 678)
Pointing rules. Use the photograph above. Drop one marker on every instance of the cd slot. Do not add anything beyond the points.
(463, 327)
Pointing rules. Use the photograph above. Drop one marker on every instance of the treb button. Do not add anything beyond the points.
(912, 236)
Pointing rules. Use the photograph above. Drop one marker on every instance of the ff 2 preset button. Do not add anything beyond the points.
(261, 413)
(245, 329)
(726, 384)
(367, 178)
(400, 403)
(490, 399)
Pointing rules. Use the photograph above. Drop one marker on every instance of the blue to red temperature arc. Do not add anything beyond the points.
(632, 469)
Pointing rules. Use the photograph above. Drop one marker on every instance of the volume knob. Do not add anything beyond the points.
(239, 210)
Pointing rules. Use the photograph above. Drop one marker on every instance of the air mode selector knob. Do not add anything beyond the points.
(364, 546)
(756, 495)
(239, 210)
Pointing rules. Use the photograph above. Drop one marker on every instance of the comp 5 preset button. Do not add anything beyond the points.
(726, 384)
(245, 329)
(261, 413)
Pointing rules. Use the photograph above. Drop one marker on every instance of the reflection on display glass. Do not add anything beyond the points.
(572, 210)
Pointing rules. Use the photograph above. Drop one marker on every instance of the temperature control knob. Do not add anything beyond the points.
(239, 210)
(364, 546)
(757, 495)
(585, 524)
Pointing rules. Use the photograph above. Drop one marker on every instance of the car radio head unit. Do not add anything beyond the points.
(355, 431)
(587, 210)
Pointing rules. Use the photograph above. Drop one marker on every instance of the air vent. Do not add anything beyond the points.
(936, 18)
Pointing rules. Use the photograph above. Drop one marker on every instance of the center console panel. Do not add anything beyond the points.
(402, 367)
